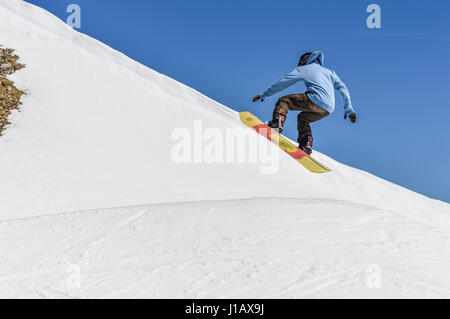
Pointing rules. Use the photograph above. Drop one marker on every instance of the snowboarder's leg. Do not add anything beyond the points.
(297, 102)
(305, 138)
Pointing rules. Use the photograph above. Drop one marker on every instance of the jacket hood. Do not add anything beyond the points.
(316, 57)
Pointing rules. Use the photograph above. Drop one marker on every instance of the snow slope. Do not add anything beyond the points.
(87, 178)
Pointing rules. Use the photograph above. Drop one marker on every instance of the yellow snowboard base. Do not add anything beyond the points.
(307, 161)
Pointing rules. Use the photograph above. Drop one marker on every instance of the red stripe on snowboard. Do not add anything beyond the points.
(267, 132)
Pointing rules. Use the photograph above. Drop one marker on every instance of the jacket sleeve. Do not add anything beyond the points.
(283, 83)
(342, 88)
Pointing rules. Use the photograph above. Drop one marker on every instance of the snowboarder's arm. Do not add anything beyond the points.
(342, 88)
(283, 83)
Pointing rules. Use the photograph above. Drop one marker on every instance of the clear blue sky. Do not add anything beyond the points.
(231, 50)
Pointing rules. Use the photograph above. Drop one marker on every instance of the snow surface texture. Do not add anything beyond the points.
(88, 188)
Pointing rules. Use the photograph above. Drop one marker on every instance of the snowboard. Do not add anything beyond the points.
(272, 135)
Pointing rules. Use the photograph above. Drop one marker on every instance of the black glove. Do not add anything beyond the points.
(352, 117)
(257, 98)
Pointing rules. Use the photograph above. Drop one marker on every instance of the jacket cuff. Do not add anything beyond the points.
(349, 111)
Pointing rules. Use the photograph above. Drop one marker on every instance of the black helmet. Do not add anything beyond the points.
(304, 59)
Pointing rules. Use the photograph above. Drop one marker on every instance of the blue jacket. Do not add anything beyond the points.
(319, 81)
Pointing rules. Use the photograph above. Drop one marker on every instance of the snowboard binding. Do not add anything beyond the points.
(277, 123)
(305, 143)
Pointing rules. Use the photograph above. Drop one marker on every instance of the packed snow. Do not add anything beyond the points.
(94, 205)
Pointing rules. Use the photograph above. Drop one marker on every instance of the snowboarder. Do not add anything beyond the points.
(317, 102)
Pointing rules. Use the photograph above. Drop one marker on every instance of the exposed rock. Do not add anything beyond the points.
(8, 62)
(9, 94)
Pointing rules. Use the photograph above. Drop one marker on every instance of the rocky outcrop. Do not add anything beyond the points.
(8, 62)
(9, 94)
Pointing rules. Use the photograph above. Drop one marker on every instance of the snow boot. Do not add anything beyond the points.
(305, 143)
(277, 123)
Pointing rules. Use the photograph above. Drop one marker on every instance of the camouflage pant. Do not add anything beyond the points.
(300, 102)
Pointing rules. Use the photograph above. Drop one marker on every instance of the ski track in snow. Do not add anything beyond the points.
(254, 248)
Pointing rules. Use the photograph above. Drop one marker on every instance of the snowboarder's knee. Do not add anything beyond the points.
(283, 100)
